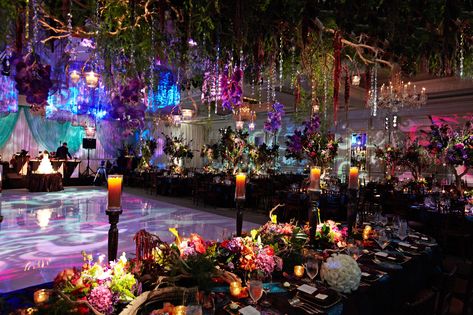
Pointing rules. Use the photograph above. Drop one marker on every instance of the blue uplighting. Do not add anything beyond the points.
(165, 94)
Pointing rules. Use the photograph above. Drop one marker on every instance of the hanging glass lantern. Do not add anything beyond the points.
(239, 124)
(92, 79)
(251, 126)
(355, 80)
(74, 76)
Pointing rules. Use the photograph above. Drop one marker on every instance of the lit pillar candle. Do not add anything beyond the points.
(115, 191)
(240, 186)
(41, 296)
(353, 178)
(299, 271)
(235, 288)
(314, 178)
(179, 310)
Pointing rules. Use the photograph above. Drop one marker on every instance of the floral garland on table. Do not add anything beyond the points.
(98, 284)
(311, 144)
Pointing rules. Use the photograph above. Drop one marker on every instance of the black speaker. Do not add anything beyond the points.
(89, 143)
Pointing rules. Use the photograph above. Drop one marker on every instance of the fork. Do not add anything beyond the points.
(295, 302)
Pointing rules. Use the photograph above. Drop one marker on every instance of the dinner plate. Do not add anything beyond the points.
(332, 297)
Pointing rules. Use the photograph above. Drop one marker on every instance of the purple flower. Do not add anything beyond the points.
(101, 298)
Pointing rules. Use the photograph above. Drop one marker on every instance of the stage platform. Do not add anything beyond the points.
(43, 233)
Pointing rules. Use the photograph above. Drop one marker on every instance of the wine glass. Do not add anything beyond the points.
(311, 266)
(255, 290)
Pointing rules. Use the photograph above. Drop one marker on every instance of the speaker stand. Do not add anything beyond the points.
(88, 171)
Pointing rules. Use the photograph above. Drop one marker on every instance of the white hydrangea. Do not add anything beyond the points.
(341, 272)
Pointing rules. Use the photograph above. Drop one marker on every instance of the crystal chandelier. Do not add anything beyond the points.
(399, 95)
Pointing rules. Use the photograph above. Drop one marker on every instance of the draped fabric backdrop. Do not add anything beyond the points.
(7, 123)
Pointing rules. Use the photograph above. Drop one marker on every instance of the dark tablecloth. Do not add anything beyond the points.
(44, 182)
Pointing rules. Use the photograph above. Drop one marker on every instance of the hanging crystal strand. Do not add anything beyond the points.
(260, 86)
(34, 18)
(462, 57)
(325, 102)
(253, 87)
(293, 66)
(374, 91)
(217, 79)
(273, 81)
(151, 65)
(280, 64)
(27, 24)
(268, 88)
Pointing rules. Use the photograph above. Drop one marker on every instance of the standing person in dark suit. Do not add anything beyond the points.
(63, 152)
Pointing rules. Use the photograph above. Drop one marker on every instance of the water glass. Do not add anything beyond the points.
(255, 290)
(311, 266)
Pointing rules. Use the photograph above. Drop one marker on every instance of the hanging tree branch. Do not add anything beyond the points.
(359, 47)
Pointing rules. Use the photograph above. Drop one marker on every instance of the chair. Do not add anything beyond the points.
(445, 291)
(423, 304)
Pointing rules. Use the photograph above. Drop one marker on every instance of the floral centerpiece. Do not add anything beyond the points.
(391, 156)
(415, 158)
(329, 234)
(176, 149)
(263, 157)
(98, 285)
(341, 272)
(312, 144)
(452, 147)
(147, 148)
(232, 148)
(210, 154)
(272, 125)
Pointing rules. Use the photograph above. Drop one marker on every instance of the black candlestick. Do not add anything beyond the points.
(239, 216)
(314, 196)
(113, 218)
(352, 208)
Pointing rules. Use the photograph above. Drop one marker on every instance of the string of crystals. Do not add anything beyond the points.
(325, 102)
(293, 66)
(280, 64)
(34, 36)
(260, 86)
(273, 81)
(268, 88)
(217, 79)
(373, 93)
(151, 65)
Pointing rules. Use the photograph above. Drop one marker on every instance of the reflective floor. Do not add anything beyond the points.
(43, 233)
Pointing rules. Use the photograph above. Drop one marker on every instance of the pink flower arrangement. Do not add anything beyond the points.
(101, 298)
(192, 246)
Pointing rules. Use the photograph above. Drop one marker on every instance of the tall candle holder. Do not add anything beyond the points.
(314, 196)
(114, 211)
(240, 196)
(353, 186)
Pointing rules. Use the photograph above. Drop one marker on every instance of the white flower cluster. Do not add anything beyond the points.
(341, 272)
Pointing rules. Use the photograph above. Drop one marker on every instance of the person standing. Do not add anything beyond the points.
(63, 152)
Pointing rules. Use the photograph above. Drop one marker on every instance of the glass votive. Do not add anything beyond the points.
(194, 310)
(179, 310)
(41, 296)
(299, 271)
(235, 288)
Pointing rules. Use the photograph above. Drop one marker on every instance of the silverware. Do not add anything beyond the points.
(312, 304)
(295, 302)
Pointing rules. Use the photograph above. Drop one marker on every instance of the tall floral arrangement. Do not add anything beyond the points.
(312, 144)
(391, 156)
(147, 147)
(415, 158)
(263, 157)
(273, 123)
(231, 90)
(452, 147)
(176, 149)
(232, 147)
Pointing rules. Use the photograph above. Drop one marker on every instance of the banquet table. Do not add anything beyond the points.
(397, 283)
(44, 182)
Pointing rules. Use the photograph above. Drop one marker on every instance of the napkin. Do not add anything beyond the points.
(307, 289)
(249, 310)
(382, 254)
